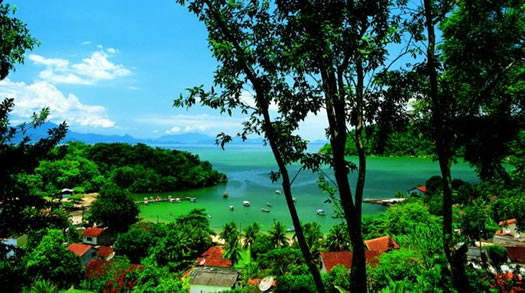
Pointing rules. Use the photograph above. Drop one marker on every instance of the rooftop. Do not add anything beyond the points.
(334, 258)
(78, 248)
(219, 277)
(93, 232)
(105, 251)
(213, 257)
(381, 244)
(516, 254)
(508, 222)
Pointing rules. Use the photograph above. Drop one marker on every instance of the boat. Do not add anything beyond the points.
(193, 199)
(225, 195)
(231, 207)
(321, 212)
(290, 229)
(145, 201)
(171, 199)
(177, 199)
(246, 203)
(277, 191)
(268, 204)
(294, 199)
(265, 210)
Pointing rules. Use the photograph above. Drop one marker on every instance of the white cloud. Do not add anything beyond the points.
(204, 123)
(91, 70)
(248, 99)
(100, 46)
(85, 43)
(31, 98)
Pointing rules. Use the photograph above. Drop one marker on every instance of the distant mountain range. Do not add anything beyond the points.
(91, 138)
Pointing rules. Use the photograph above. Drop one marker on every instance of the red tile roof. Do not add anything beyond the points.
(334, 258)
(213, 258)
(422, 188)
(93, 232)
(508, 222)
(381, 244)
(516, 254)
(105, 251)
(78, 248)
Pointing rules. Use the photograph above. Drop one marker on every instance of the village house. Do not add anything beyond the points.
(84, 251)
(508, 235)
(418, 190)
(96, 236)
(212, 279)
(105, 252)
(330, 259)
(213, 257)
(381, 244)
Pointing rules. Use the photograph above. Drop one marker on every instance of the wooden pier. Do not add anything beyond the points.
(383, 201)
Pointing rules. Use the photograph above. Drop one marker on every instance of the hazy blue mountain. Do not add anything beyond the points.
(91, 138)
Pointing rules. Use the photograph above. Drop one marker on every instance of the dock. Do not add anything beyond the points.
(384, 201)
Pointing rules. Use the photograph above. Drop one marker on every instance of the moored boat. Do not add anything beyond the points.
(225, 195)
(246, 203)
(268, 204)
(321, 212)
(277, 191)
(231, 207)
(265, 210)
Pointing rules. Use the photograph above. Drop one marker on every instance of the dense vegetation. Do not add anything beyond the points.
(139, 168)
(468, 102)
(408, 140)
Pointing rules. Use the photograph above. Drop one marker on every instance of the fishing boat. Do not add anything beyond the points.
(225, 195)
(268, 204)
(321, 212)
(231, 208)
(246, 203)
(265, 210)
(277, 191)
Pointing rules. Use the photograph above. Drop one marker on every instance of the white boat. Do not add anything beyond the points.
(225, 195)
(294, 199)
(321, 212)
(277, 191)
(290, 229)
(177, 199)
(172, 199)
(193, 199)
(265, 210)
(231, 208)
(246, 203)
(266, 284)
(268, 204)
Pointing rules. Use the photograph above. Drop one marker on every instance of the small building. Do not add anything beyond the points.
(84, 251)
(330, 259)
(96, 236)
(213, 257)
(212, 279)
(381, 244)
(418, 190)
(509, 226)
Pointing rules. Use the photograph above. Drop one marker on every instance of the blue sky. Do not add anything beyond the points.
(114, 67)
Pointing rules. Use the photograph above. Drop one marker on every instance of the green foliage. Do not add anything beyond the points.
(261, 245)
(404, 218)
(43, 286)
(434, 184)
(114, 208)
(157, 279)
(337, 238)
(138, 240)
(497, 254)
(280, 261)
(14, 40)
(338, 279)
(250, 234)
(476, 224)
(295, 283)
(50, 260)
(278, 235)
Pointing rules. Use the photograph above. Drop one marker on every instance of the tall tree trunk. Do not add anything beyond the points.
(337, 122)
(257, 83)
(443, 138)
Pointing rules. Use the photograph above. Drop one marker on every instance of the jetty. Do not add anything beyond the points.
(384, 201)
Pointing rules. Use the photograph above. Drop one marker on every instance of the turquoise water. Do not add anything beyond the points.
(247, 168)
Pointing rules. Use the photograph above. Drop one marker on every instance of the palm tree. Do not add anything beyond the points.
(233, 251)
(313, 236)
(278, 235)
(250, 234)
(228, 232)
(337, 238)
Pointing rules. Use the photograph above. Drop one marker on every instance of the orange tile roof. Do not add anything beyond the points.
(93, 232)
(381, 244)
(104, 251)
(78, 248)
(213, 257)
(334, 258)
(508, 222)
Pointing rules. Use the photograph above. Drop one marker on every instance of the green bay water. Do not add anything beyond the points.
(247, 168)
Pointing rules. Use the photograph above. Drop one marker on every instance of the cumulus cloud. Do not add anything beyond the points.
(85, 43)
(90, 70)
(31, 98)
(204, 123)
(248, 99)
